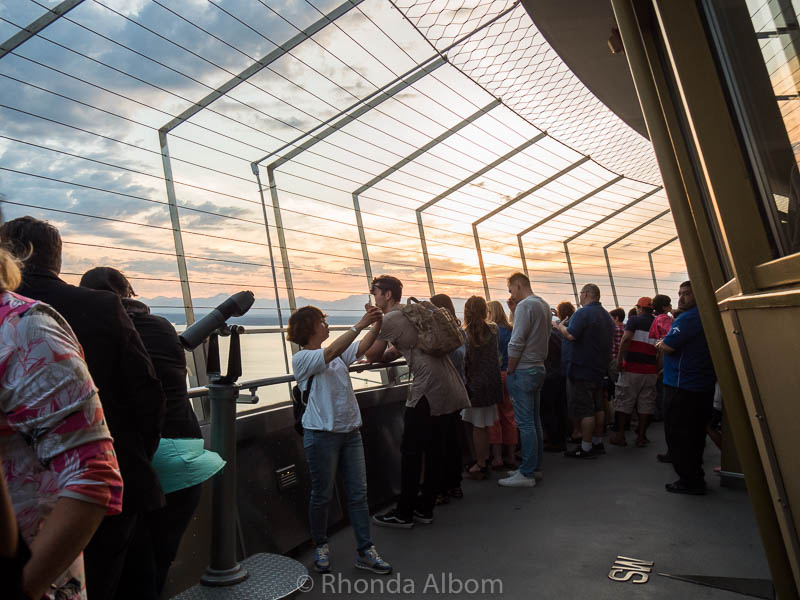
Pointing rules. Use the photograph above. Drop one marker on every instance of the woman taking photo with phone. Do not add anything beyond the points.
(331, 423)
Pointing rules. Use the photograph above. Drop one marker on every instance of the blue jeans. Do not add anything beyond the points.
(525, 387)
(328, 452)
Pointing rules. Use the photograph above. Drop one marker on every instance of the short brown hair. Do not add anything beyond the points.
(36, 243)
(619, 313)
(389, 284)
(565, 309)
(303, 323)
(518, 276)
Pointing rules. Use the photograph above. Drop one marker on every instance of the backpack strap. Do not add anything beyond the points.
(307, 392)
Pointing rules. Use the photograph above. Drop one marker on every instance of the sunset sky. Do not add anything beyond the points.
(82, 103)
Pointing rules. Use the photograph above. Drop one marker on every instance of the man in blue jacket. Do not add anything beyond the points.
(688, 394)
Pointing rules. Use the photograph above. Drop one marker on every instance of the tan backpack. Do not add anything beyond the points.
(437, 331)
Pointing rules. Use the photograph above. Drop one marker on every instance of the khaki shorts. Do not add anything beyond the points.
(635, 390)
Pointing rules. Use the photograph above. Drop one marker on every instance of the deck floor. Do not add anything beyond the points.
(560, 539)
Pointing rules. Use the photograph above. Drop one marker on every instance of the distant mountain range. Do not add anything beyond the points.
(264, 313)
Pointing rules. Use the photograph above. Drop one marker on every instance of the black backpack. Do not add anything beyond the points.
(299, 403)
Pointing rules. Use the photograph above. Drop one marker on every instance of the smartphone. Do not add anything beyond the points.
(371, 299)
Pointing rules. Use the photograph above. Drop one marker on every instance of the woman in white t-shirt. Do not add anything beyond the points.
(331, 436)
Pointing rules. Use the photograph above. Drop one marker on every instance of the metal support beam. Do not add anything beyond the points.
(510, 203)
(555, 214)
(26, 33)
(272, 266)
(619, 239)
(263, 63)
(197, 371)
(592, 226)
(650, 258)
(399, 165)
(335, 123)
(703, 264)
(458, 186)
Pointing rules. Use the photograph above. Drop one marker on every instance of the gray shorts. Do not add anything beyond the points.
(585, 397)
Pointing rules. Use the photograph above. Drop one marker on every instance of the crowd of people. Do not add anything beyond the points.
(101, 451)
(541, 380)
(102, 457)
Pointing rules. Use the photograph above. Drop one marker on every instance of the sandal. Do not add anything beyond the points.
(479, 473)
(455, 492)
(498, 466)
(622, 442)
(642, 443)
(442, 499)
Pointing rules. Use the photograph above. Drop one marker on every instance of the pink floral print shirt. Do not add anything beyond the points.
(53, 437)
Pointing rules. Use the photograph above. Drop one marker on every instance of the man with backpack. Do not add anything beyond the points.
(436, 389)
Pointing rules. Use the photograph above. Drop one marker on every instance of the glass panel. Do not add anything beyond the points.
(757, 44)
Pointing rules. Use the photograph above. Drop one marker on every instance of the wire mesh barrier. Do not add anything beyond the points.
(296, 149)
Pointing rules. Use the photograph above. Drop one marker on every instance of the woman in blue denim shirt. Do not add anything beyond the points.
(331, 436)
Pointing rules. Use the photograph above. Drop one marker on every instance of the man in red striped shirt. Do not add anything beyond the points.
(637, 364)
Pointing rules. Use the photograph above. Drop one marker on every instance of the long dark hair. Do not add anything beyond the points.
(476, 314)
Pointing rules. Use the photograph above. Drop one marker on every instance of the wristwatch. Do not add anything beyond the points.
(353, 329)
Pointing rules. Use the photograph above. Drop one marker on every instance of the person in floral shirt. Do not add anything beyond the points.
(56, 450)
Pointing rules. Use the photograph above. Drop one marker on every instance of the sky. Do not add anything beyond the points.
(82, 102)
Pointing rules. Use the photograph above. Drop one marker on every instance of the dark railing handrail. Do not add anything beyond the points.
(254, 384)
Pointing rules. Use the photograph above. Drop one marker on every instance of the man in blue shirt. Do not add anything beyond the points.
(591, 333)
(688, 394)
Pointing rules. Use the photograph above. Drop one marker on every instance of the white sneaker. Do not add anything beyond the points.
(537, 475)
(517, 480)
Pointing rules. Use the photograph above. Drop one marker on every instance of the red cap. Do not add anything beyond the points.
(645, 302)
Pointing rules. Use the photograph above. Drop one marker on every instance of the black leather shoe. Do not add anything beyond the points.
(679, 487)
(580, 453)
(664, 458)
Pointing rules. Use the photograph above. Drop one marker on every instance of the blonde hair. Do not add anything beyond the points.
(10, 273)
(498, 314)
